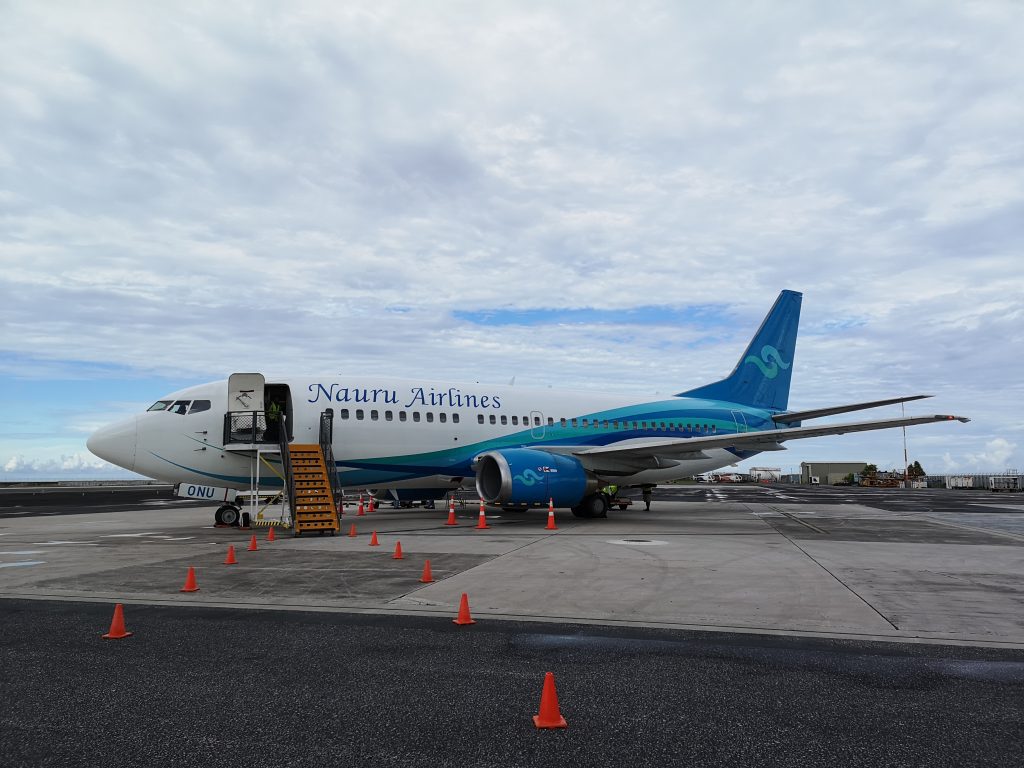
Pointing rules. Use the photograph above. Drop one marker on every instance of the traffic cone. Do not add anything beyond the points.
(230, 559)
(252, 543)
(117, 630)
(427, 577)
(361, 511)
(190, 581)
(270, 534)
(371, 507)
(451, 512)
(464, 617)
(373, 540)
(549, 716)
(352, 531)
(551, 517)
(398, 551)
(481, 522)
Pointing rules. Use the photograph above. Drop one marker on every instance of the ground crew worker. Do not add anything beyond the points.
(273, 420)
(647, 498)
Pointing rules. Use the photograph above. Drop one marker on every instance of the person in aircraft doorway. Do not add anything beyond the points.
(647, 497)
(273, 421)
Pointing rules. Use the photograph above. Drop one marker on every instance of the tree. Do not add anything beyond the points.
(870, 469)
(916, 470)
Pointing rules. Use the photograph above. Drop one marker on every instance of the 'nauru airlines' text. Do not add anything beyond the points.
(451, 398)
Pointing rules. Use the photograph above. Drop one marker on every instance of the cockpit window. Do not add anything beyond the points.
(159, 405)
(199, 405)
(180, 406)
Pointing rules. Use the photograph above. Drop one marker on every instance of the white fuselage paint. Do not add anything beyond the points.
(188, 448)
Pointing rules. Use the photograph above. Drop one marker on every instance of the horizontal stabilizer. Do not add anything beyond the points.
(794, 416)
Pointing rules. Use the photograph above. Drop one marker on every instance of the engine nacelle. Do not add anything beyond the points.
(529, 476)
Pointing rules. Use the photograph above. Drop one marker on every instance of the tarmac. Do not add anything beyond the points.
(729, 625)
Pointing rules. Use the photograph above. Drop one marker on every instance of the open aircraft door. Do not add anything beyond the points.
(246, 392)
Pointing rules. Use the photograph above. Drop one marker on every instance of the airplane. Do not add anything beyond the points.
(417, 439)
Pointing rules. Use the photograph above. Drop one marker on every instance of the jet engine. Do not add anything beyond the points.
(530, 476)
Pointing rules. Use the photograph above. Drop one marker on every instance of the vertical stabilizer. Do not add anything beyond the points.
(761, 377)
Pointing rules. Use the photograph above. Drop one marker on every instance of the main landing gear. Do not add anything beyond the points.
(594, 505)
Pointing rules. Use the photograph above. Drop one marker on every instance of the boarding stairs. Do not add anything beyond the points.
(309, 486)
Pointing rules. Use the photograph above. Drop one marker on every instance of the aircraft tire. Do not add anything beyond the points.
(594, 505)
(229, 515)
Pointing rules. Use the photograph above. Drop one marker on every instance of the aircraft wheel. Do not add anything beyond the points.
(229, 515)
(596, 505)
(217, 518)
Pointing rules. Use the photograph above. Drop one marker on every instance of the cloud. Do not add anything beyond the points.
(65, 464)
(189, 193)
(996, 453)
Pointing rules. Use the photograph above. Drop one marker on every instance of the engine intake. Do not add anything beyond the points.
(530, 476)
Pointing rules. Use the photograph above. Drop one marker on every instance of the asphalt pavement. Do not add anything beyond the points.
(216, 687)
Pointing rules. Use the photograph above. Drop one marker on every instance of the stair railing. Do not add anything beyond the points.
(286, 466)
(327, 449)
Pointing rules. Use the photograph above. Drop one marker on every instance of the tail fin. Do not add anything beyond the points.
(761, 377)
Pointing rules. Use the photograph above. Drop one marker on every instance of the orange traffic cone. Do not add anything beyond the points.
(270, 534)
(190, 581)
(230, 559)
(551, 517)
(371, 507)
(481, 522)
(398, 551)
(117, 630)
(427, 577)
(464, 617)
(373, 540)
(451, 512)
(252, 543)
(549, 716)
(352, 531)
(361, 511)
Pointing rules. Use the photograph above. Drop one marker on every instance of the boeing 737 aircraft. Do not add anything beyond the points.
(420, 439)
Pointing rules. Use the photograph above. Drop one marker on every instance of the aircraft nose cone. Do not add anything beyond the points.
(115, 443)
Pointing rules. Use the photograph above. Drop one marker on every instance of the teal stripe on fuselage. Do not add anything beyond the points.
(457, 462)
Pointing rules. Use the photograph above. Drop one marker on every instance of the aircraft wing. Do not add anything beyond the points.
(661, 453)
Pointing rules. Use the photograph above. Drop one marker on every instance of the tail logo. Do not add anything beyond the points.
(769, 362)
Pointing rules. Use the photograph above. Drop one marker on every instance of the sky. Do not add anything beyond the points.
(603, 196)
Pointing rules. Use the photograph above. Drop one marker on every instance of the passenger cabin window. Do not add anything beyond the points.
(374, 415)
(403, 416)
(536, 421)
(586, 423)
(574, 423)
(551, 421)
(359, 414)
(430, 417)
(159, 405)
(344, 413)
(415, 415)
(504, 419)
(199, 405)
(455, 418)
(515, 421)
(442, 417)
(389, 416)
(479, 418)
(604, 424)
(494, 419)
